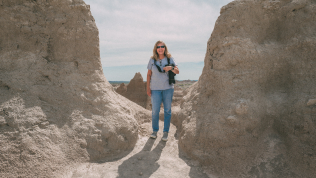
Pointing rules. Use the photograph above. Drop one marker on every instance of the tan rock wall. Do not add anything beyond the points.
(56, 107)
(251, 113)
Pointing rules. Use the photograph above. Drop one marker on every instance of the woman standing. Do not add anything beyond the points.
(158, 86)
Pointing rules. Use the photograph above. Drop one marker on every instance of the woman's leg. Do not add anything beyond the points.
(156, 99)
(167, 100)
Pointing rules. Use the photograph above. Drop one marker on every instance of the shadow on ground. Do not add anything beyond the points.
(143, 163)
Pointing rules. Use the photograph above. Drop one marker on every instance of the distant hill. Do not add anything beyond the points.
(118, 82)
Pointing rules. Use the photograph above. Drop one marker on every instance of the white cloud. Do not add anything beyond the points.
(129, 29)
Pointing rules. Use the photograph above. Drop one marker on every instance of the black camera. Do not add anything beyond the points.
(171, 75)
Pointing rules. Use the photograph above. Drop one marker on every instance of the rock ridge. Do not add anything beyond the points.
(252, 112)
(56, 106)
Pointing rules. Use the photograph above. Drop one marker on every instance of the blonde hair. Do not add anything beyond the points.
(155, 54)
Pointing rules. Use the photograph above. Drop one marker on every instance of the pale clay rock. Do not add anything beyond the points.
(56, 106)
(260, 52)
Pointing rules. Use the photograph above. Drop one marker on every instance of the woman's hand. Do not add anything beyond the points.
(175, 70)
(167, 68)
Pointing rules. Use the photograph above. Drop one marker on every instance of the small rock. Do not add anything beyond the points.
(140, 173)
(241, 108)
(231, 120)
(311, 102)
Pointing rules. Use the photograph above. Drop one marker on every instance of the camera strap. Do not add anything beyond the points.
(159, 69)
(170, 73)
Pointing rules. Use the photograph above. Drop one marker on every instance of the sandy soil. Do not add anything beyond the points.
(150, 158)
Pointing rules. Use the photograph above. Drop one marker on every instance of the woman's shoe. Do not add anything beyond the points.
(153, 135)
(165, 136)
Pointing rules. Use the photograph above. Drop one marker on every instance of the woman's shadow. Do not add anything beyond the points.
(143, 163)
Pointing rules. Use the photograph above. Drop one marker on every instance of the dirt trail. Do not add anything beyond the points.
(150, 158)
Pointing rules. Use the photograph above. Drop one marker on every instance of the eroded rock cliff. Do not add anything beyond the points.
(56, 107)
(252, 114)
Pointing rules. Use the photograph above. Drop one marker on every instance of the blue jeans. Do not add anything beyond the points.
(158, 97)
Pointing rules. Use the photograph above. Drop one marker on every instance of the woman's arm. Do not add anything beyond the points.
(148, 82)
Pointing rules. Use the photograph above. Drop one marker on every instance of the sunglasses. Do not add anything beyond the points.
(160, 47)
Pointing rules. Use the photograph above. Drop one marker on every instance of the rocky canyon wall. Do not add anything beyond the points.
(252, 112)
(56, 107)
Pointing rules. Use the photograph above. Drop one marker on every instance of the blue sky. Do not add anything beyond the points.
(128, 31)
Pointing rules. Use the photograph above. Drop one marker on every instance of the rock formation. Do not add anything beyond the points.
(135, 91)
(56, 107)
(252, 113)
(122, 89)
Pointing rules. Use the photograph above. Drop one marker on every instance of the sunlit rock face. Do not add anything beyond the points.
(252, 112)
(56, 106)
